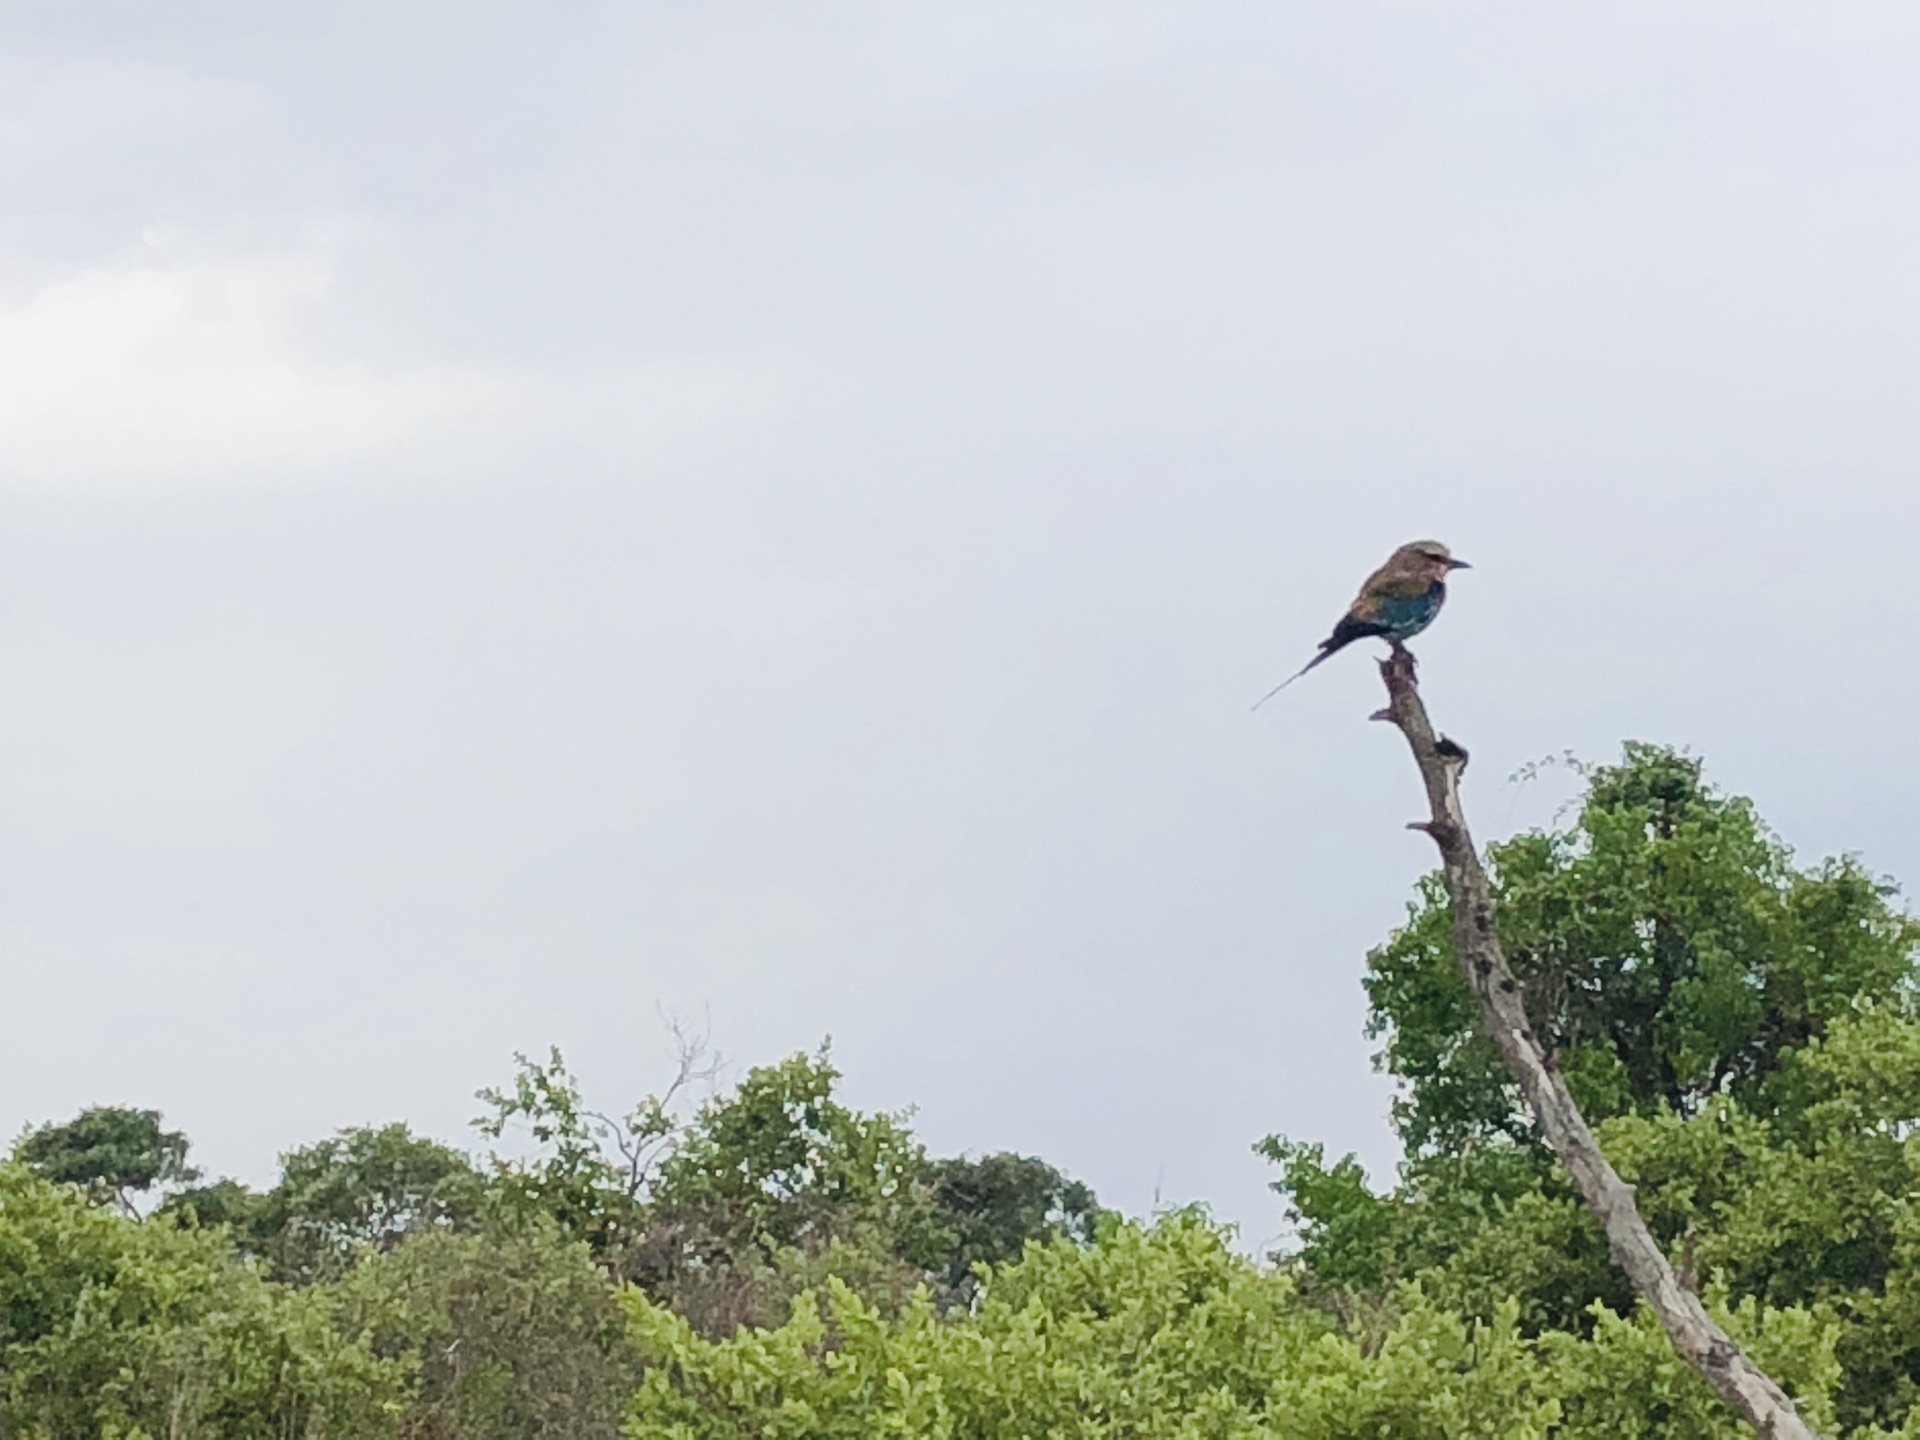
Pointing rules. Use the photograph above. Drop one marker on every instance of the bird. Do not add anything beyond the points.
(1399, 600)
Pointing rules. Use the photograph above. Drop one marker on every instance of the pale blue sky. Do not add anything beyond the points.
(516, 517)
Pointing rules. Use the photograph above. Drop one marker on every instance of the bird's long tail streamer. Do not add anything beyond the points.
(1291, 678)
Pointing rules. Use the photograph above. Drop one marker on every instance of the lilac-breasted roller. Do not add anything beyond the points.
(1398, 601)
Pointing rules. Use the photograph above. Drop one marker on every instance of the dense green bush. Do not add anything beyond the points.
(1162, 1332)
(112, 1327)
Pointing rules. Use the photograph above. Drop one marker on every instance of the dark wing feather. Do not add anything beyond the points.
(1349, 630)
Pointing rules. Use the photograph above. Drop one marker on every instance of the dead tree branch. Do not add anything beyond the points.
(651, 1132)
(1696, 1338)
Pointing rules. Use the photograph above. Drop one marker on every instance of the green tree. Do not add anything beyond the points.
(766, 1189)
(223, 1202)
(510, 1336)
(363, 1189)
(1813, 1204)
(111, 1152)
(776, 1185)
(789, 1162)
(592, 1172)
(995, 1206)
(1744, 1032)
(1668, 946)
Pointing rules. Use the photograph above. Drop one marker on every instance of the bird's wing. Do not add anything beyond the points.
(1398, 584)
(1389, 582)
(1355, 627)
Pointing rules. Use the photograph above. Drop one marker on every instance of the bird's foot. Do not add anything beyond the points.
(1400, 661)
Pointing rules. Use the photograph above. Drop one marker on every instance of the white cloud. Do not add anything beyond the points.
(133, 373)
(155, 373)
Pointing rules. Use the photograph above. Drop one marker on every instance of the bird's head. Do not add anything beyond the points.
(1429, 558)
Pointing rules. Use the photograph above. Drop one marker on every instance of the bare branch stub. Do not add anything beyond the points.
(1698, 1341)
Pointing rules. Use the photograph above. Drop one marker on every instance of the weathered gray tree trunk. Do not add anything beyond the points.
(1696, 1338)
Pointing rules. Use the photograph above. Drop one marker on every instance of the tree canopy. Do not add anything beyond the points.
(1668, 946)
(1739, 1027)
(109, 1151)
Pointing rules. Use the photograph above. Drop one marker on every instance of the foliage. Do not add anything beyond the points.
(778, 1185)
(385, 1285)
(223, 1202)
(367, 1188)
(1163, 1331)
(1746, 1036)
(1491, 1223)
(1668, 946)
(506, 1335)
(577, 1178)
(992, 1207)
(766, 1190)
(113, 1327)
(116, 1328)
(789, 1164)
(111, 1152)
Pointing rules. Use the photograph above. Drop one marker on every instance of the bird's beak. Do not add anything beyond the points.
(1458, 565)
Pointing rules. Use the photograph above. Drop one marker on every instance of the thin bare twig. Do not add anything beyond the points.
(1698, 1341)
(646, 1136)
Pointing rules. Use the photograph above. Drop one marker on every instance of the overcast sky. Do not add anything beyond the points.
(514, 519)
